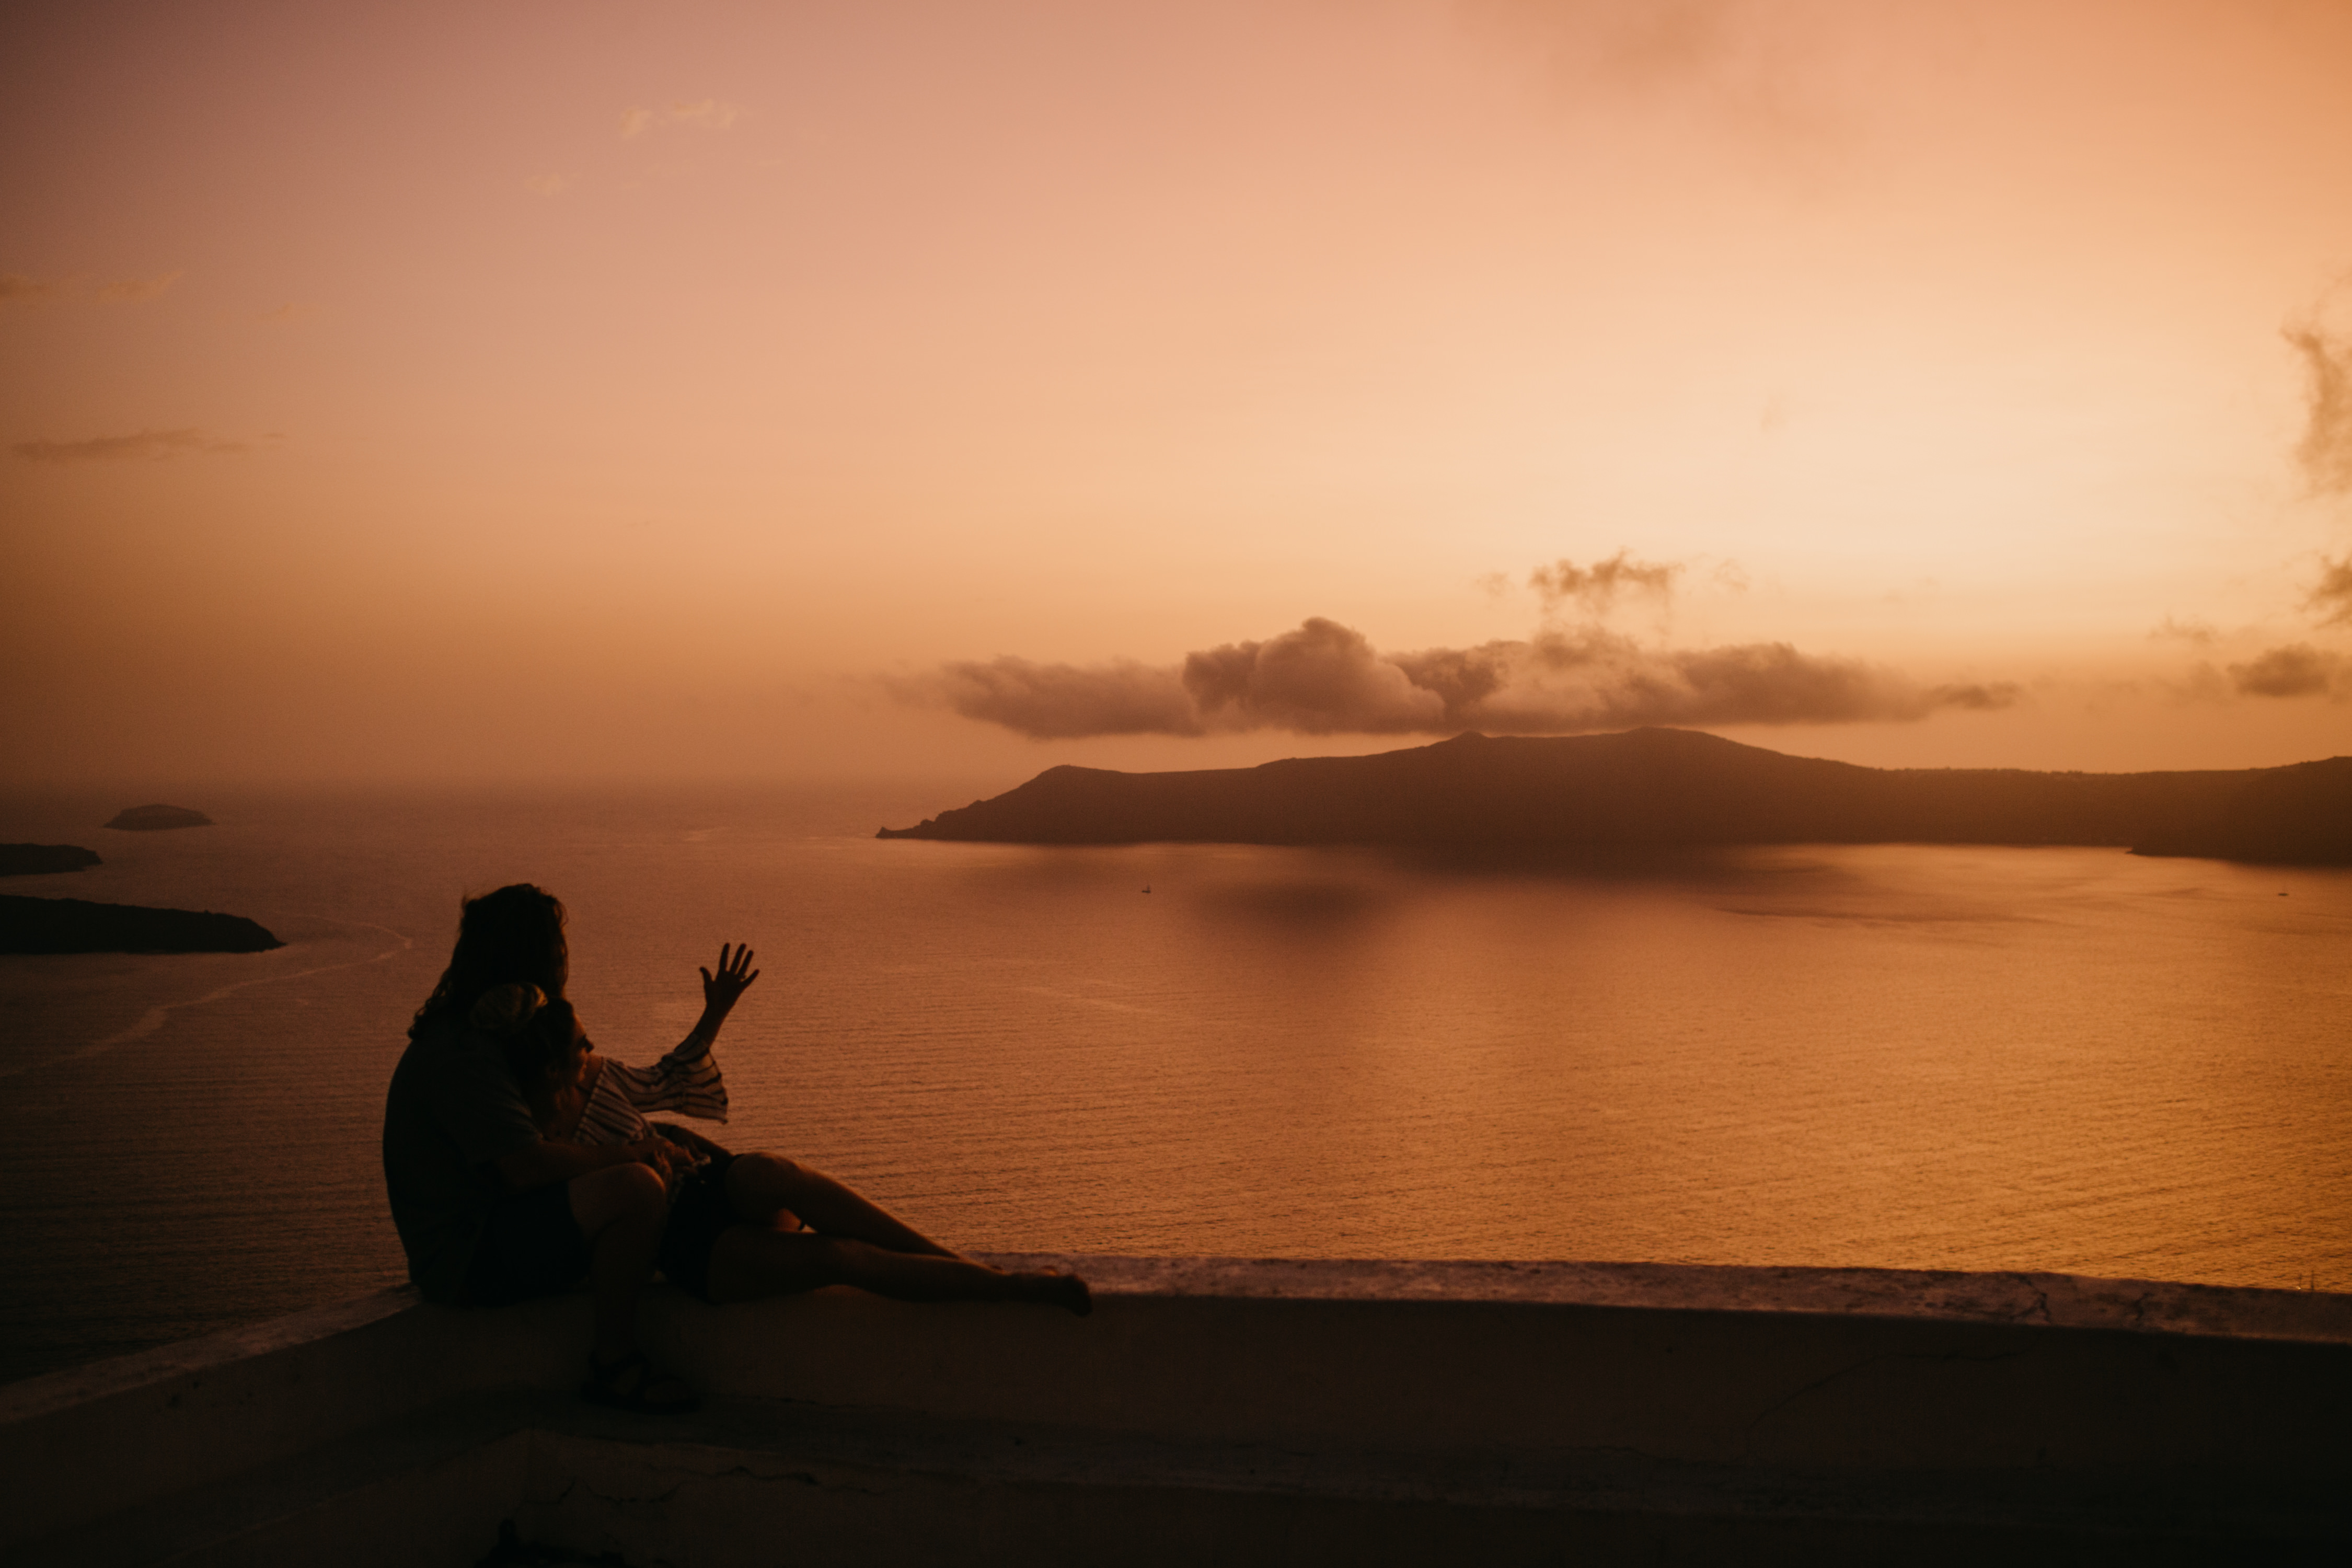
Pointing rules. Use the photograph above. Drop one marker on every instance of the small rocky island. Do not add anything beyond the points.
(76, 925)
(1667, 789)
(155, 818)
(39, 859)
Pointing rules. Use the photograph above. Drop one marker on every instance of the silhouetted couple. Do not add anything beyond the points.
(519, 1163)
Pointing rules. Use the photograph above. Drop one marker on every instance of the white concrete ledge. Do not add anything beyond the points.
(1533, 1408)
(2058, 1300)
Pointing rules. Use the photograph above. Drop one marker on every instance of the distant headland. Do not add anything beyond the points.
(1659, 789)
(76, 925)
(36, 860)
(155, 818)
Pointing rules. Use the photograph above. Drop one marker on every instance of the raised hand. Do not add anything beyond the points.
(720, 991)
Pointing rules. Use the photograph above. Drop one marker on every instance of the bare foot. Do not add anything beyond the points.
(1067, 1291)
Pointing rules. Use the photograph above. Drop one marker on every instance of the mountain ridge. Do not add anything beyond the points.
(1659, 789)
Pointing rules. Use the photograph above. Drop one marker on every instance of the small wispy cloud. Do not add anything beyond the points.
(2324, 452)
(2331, 598)
(703, 114)
(2294, 669)
(143, 446)
(548, 184)
(709, 113)
(1748, 65)
(131, 290)
(1594, 589)
(15, 287)
(2173, 628)
(292, 311)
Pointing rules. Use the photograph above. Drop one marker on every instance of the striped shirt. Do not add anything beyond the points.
(687, 1081)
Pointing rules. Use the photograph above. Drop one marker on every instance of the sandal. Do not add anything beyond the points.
(631, 1383)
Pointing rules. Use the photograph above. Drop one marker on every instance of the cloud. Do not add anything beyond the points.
(1750, 66)
(1975, 697)
(1324, 678)
(1321, 678)
(2325, 453)
(1640, 43)
(2331, 601)
(2294, 669)
(143, 446)
(1061, 702)
(16, 289)
(548, 184)
(1327, 679)
(709, 113)
(2199, 633)
(703, 114)
(1595, 588)
(1590, 680)
(136, 289)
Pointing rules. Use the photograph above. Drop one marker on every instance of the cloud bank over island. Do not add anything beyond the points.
(1323, 677)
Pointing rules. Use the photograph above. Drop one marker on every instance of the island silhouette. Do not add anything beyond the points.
(155, 818)
(41, 859)
(78, 925)
(1665, 789)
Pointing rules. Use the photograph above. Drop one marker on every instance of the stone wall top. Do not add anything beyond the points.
(2059, 1301)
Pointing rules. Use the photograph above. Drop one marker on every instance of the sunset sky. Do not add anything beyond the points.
(524, 391)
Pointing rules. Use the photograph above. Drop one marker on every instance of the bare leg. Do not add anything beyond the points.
(750, 1262)
(760, 1185)
(620, 1210)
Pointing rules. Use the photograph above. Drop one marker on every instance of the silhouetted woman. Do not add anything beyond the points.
(492, 1209)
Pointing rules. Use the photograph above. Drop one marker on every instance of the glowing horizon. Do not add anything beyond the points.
(609, 391)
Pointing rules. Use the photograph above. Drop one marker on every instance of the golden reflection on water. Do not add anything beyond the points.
(1950, 1058)
(1898, 1056)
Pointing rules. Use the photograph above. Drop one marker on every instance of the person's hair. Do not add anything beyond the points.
(511, 937)
(537, 1045)
(533, 1031)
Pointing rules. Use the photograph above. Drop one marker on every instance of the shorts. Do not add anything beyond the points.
(696, 1220)
(531, 1246)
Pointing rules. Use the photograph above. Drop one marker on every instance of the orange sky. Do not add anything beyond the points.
(536, 390)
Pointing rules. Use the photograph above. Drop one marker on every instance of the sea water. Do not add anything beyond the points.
(1899, 1056)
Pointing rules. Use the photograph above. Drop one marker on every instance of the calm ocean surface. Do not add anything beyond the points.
(1910, 1056)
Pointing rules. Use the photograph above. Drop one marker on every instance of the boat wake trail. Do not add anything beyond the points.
(155, 1017)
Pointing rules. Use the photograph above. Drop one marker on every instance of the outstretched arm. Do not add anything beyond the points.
(687, 1079)
(719, 994)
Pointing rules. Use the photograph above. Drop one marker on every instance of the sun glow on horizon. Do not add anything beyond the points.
(731, 390)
